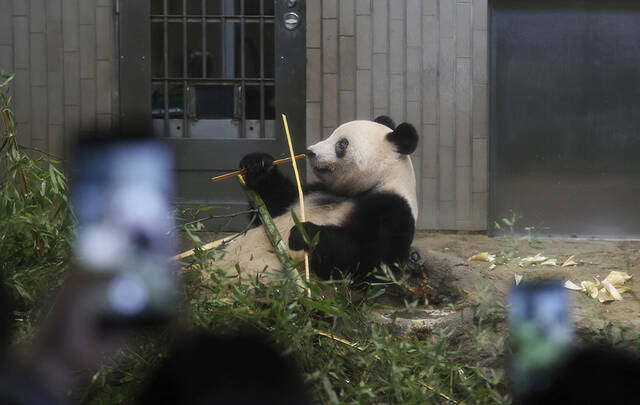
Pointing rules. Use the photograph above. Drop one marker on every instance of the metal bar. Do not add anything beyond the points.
(222, 80)
(204, 39)
(166, 68)
(263, 132)
(185, 85)
(243, 132)
(223, 35)
(220, 18)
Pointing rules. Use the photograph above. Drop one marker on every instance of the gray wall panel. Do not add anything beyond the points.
(6, 36)
(421, 61)
(51, 45)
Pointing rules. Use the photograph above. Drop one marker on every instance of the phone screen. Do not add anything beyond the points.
(121, 195)
(541, 333)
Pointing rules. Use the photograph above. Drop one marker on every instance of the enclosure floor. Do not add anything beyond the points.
(596, 259)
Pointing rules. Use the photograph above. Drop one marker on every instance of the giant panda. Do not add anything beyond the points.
(363, 205)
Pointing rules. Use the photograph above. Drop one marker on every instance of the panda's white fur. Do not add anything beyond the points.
(372, 164)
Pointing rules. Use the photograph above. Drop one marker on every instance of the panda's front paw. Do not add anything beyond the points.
(296, 240)
(256, 163)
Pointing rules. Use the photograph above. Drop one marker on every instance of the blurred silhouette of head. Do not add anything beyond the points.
(209, 370)
(595, 375)
(5, 318)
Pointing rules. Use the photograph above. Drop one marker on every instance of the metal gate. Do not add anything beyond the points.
(219, 74)
(565, 115)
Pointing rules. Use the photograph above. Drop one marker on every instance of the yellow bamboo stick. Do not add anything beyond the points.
(300, 195)
(208, 246)
(243, 171)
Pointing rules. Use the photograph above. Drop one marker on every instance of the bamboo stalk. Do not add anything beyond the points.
(300, 196)
(244, 171)
(279, 247)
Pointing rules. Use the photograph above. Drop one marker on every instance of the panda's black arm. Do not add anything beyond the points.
(275, 189)
(380, 229)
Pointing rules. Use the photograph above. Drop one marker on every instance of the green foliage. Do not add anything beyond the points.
(346, 358)
(36, 222)
(376, 367)
(509, 229)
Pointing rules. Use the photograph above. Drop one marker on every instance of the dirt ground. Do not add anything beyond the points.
(596, 258)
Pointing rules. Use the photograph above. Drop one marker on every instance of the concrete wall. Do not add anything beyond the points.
(62, 52)
(420, 61)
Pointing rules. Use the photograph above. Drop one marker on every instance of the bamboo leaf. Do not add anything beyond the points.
(6, 82)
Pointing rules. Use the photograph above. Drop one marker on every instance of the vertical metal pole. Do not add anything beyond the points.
(228, 40)
(185, 84)
(165, 81)
(223, 36)
(135, 67)
(262, 101)
(243, 133)
(204, 38)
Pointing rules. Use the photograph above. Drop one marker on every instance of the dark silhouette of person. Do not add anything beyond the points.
(236, 370)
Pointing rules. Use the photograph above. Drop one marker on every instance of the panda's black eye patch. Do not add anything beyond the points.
(341, 147)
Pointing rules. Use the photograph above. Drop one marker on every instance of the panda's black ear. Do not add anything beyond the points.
(384, 120)
(405, 138)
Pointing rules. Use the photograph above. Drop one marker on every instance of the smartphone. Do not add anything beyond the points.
(122, 191)
(541, 334)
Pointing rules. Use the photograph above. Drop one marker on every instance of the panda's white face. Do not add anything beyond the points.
(357, 157)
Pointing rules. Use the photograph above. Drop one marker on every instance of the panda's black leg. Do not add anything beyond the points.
(380, 229)
(276, 190)
(336, 248)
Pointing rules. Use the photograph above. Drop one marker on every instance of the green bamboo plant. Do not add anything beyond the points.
(36, 221)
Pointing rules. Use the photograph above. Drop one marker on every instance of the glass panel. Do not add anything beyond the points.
(157, 101)
(252, 105)
(176, 100)
(215, 102)
(252, 112)
(222, 49)
(252, 7)
(157, 49)
(215, 53)
(237, 43)
(269, 7)
(175, 49)
(269, 102)
(157, 6)
(252, 49)
(269, 51)
(232, 7)
(194, 7)
(216, 112)
(174, 6)
(194, 49)
(214, 7)
(176, 110)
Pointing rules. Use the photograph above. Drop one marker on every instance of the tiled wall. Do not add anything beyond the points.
(420, 61)
(62, 52)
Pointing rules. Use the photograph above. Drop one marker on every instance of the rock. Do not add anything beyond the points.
(439, 277)
(423, 322)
